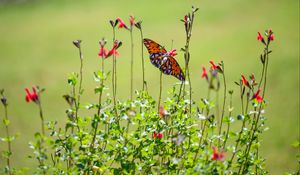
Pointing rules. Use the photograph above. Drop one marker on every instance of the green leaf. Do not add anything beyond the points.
(72, 79)
(6, 122)
(295, 144)
(99, 89)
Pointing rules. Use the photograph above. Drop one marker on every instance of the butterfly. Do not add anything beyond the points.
(160, 58)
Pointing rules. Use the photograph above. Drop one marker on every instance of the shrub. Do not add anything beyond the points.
(178, 135)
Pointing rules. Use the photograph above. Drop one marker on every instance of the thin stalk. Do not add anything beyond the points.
(8, 139)
(203, 127)
(77, 102)
(99, 100)
(114, 73)
(43, 134)
(160, 89)
(42, 118)
(224, 103)
(242, 128)
(143, 61)
(228, 126)
(260, 108)
(131, 65)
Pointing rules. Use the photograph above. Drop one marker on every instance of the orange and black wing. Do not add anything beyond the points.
(170, 66)
(156, 52)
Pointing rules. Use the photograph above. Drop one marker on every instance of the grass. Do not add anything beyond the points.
(36, 48)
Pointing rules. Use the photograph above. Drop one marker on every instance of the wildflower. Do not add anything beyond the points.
(160, 135)
(121, 23)
(213, 65)
(245, 82)
(157, 135)
(171, 53)
(270, 35)
(131, 20)
(260, 38)
(113, 51)
(258, 98)
(217, 155)
(31, 96)
(204, 73)
(102, 52)
(162, 111)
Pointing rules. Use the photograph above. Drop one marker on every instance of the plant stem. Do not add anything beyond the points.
(131, 65)
(160, 89)
(77, 102)
(42, 118)
(99, 100)
(259, 110)
(228, 126)
(143, 63)
(114, 72)
(8, 139)
(224, 103)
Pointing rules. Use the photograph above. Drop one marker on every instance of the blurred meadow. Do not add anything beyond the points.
(36, 49)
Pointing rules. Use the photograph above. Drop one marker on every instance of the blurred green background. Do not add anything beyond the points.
(36, 49)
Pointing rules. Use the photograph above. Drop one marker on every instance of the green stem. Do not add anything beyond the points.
(224, 103)
(8, 140)
(259, 112)
(228, 126)
(99, 102)
(143, 63)
(131, 65)
(160, 89)
(42, 118)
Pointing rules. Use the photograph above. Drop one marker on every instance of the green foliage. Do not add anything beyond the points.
(184, 136)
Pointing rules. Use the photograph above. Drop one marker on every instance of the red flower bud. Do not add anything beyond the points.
(204, 73)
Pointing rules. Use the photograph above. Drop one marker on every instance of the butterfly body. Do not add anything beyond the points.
(160, 58)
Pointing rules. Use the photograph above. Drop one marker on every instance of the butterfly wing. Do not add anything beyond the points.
(167, 64)
(171, 67)
(155, 50)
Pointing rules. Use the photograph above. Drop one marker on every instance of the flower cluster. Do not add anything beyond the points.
(269, 34)
(157, 135)
(113, 51)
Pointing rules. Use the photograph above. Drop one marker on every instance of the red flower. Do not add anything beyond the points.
(160, 135)
(213, 65)
(154, 135)
(260, 38)
(217, 155)
(171, 53)
(271, 35)
(113, 51)
(204, 72)
(131, 19)
(31, 96)
(257, 96)
(102, 52)
(157, 135)
(245, 81)
(162, 111)
(121, 23)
